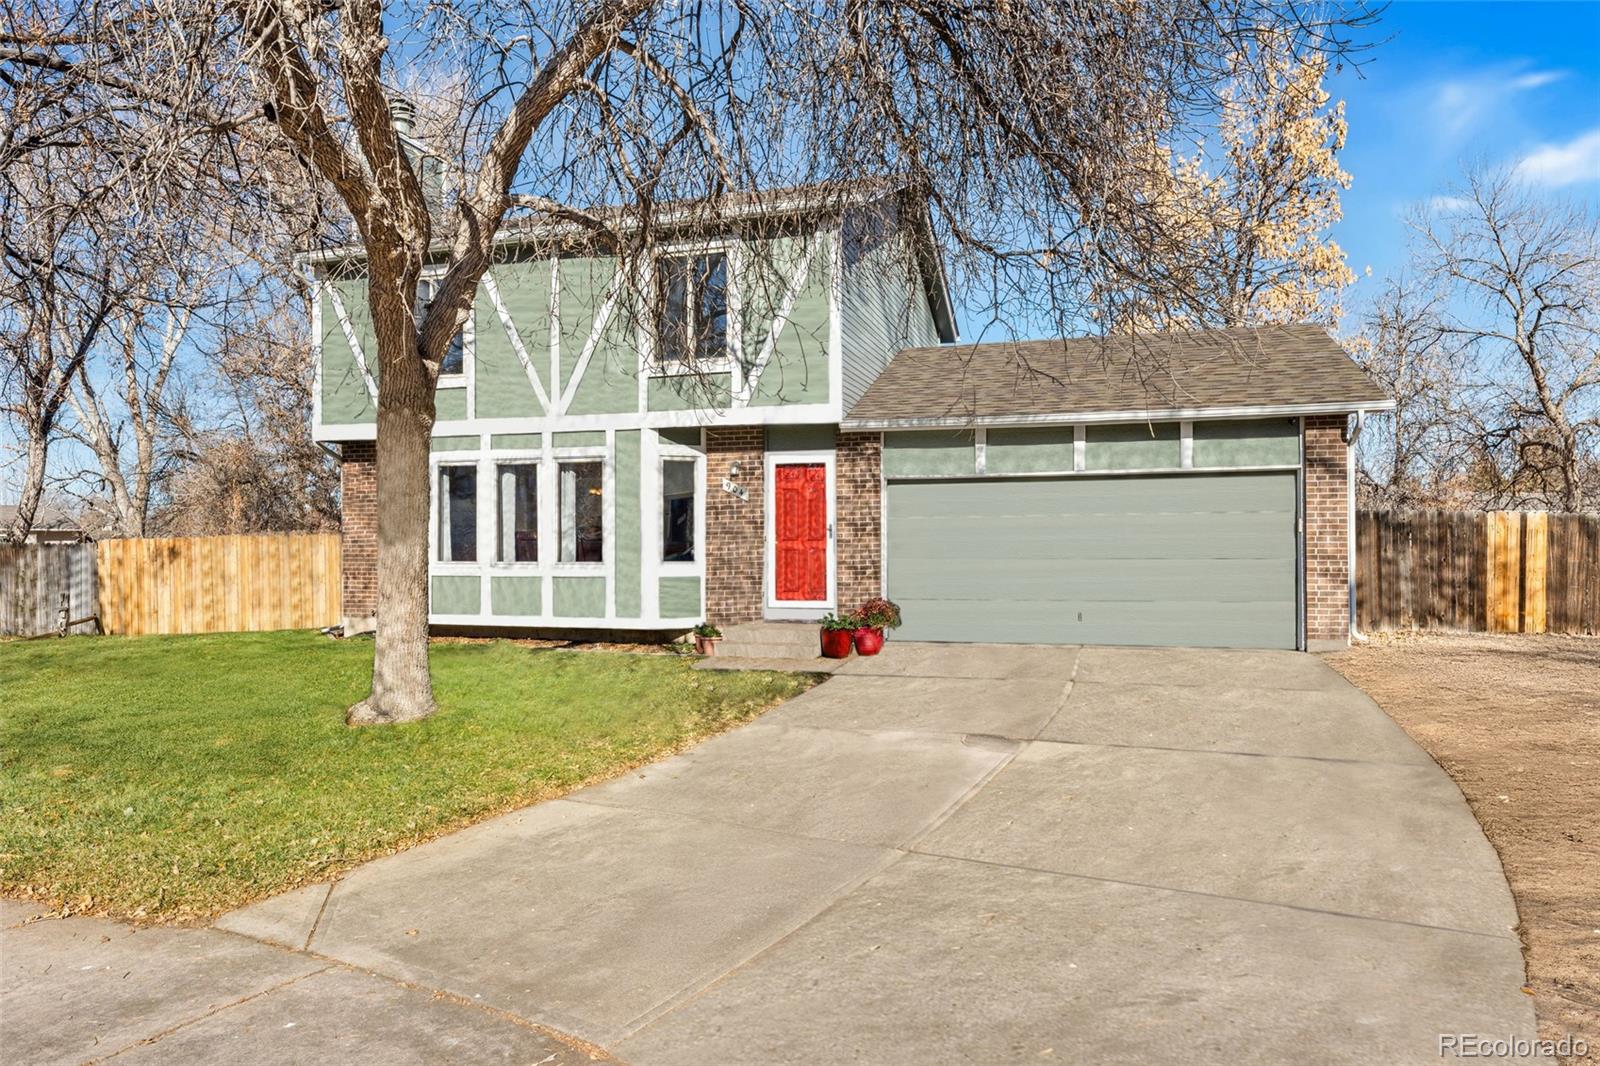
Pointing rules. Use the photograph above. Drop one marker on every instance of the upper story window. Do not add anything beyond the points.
(692, 293)
(454, 363)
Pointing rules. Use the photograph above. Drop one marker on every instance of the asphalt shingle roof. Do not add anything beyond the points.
(1270, 366)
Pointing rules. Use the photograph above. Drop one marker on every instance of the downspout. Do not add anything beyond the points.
(1350, 523)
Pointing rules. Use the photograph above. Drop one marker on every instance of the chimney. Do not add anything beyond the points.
(404, 115)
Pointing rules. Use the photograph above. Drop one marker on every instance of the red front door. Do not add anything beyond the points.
(800, 520)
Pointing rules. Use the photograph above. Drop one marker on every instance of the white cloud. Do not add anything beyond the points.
(1461, 103)
(1537, 79)
(1446, 204)
(1563, 164)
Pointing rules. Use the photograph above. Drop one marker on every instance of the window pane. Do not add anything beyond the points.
(672, 290)
(519, 513)
(582, 513)
(458, 514)
(677, 511)
(711, 306)
(454, 361)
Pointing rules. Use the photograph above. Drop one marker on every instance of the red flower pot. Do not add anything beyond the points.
(836, 643)
(869, 640)
(706, 645)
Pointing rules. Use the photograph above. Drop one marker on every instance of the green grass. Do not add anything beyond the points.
(170, 778)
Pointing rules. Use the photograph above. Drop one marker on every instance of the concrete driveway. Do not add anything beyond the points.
(964, 854)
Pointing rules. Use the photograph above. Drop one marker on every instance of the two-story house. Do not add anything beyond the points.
(790, 427)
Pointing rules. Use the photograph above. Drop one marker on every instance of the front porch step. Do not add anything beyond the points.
(770, 640)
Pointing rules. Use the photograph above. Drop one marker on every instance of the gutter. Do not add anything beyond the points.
(1350, 508)
(1168, 414)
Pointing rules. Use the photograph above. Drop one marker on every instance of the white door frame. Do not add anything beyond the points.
(803, 610)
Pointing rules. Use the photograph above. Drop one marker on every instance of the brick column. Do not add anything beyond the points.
(735, 528)
(358, 534)
(1327, 530)
(859, 513)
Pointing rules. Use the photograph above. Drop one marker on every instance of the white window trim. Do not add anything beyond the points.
(733, 259)
(775, 608)
(437, 462)
(523, 457)
(670, 453)
(589, 454)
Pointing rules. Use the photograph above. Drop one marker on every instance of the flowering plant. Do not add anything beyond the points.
(878, 613)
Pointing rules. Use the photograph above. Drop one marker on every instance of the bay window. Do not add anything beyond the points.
(518, 535)
(582, 510)
(458, 514)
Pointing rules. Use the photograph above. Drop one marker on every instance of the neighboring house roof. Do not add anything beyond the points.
(45, 517)
(1268, 370)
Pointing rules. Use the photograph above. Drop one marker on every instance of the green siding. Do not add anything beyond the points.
(450, 404)
(689, 392)
(515, 595)
(680, 597)
(502, 386)
(525, 441)
(1140, 446)
(345, 399)
(586, 438)
(455, 444)
(1257, 442)
(1028, 451)
(801, 438)
(578, 597)
(628, 535)
(686, 438)
(1203, 560)
(798, 370)
(928, 453)
(610, 384)
(455, 594)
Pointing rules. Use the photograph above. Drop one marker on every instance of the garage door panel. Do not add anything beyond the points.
(1256, 535)
(1087, 495)
(1071, 580)
(1199, 559)
(1257, 626)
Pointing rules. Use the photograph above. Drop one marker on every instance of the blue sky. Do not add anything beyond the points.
(1449, 82)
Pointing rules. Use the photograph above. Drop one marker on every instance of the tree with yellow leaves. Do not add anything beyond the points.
(1243, 222)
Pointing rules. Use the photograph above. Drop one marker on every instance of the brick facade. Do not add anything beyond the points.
(1327, 530)
(358, 533)
(859, 513)
(735, 529)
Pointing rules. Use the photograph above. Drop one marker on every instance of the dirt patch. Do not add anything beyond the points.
(1515, 721)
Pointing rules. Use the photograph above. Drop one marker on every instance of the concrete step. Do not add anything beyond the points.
(761, 649)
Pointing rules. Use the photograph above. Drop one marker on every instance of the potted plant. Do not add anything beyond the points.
(871, 619)
(706, 638)
(837, 635)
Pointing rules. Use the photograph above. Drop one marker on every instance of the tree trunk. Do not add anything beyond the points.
(32, 489)
(402, 690)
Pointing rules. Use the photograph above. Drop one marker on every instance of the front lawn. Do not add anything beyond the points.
(169, 778)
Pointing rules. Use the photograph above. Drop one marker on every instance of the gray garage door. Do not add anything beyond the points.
(1205, 560)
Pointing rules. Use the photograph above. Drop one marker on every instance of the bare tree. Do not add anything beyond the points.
(1411, 455)
(1019, 123)
(1523, 276)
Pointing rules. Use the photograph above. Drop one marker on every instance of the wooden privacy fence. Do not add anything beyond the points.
(39, 581)
(226, 584)
(1495, 572)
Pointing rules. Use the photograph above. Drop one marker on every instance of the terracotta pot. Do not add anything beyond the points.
(706, 645)
(869, 640)
(836, 643)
